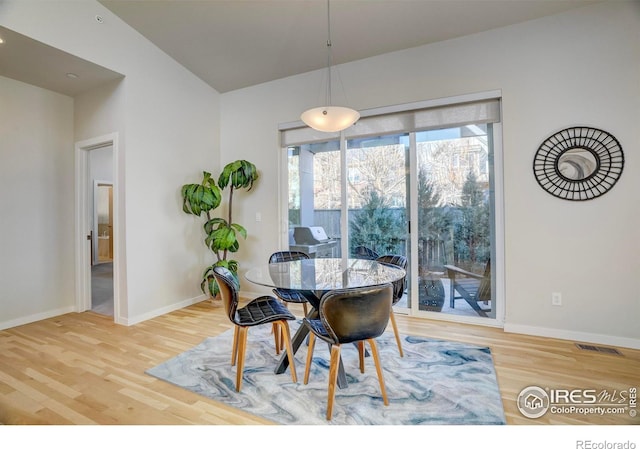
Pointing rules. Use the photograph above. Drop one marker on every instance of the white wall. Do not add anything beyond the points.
(36, 203)
(167, 121)
(576, 68)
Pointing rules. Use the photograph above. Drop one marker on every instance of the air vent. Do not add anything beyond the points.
(602, 349)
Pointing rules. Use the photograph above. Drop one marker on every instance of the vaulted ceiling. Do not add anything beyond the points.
(231, 44)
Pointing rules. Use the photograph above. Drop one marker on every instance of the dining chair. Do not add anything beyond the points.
(399, 287)
(363, 252)
(287, 295)
(261, 310)
(350, 316)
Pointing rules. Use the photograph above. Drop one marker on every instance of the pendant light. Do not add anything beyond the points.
(329, 118)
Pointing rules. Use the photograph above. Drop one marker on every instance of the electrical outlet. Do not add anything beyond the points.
(556, 299)
(258, 217)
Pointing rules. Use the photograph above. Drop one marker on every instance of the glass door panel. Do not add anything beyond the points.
(315, 199)
(455, 231)
(378, 197)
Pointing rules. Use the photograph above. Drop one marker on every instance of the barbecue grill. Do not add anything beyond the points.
(313, 240)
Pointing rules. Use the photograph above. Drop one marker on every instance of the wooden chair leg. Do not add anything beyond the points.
(286, 336)
(361, 355)
(307, 367)
(376, 359)
(234, 349)
(333, 378)
(392, 317)
(242, 347)
(304, 306)
(286, 304)
(277, 336)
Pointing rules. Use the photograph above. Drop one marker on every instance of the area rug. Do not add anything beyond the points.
(436, 382)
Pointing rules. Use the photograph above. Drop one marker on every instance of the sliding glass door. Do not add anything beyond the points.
(377, 187)
(456, 226)
(428, 194)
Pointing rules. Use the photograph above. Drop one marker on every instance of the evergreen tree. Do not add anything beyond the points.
(471, 230)
(377, 226)
(434, 221)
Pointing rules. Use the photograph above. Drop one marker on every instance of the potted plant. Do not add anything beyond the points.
(221, 234)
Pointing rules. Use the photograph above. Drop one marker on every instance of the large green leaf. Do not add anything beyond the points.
(241, 174)
(232, 265)
(223, 238)
(214, 223)
(234, 247)
(203, 197)
(187, 192)
(239, 229)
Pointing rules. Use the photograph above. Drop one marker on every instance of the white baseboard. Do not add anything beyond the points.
(562, 334)
(37, 317)
(161, 311)
(583, 337)
(123, 321)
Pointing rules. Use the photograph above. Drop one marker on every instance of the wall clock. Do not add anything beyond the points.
(578, 163)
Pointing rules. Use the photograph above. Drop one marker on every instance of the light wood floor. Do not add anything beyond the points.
(84, 369)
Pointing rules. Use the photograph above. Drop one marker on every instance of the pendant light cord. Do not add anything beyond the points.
(329, 118)
(328, 100)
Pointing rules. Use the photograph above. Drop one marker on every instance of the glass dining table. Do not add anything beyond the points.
(313, 278)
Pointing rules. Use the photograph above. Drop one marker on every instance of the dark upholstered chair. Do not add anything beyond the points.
(472, 287)
(284, 294)
(262, 310)
(350, 316)
(399, 287)
(362, 252)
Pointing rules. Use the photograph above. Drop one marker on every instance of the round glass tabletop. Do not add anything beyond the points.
(324, 274)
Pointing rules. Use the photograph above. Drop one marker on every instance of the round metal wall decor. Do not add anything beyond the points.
(578, 163)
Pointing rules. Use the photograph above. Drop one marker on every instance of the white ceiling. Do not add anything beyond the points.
(231, 44)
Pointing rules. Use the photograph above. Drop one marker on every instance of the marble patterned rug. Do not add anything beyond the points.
(436, 382)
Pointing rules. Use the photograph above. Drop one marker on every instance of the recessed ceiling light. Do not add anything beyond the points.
(1, 41)
(72, 75)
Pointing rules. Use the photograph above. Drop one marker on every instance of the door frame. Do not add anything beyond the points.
(83, 226)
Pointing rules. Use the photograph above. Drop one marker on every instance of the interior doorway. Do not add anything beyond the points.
(97, 235)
